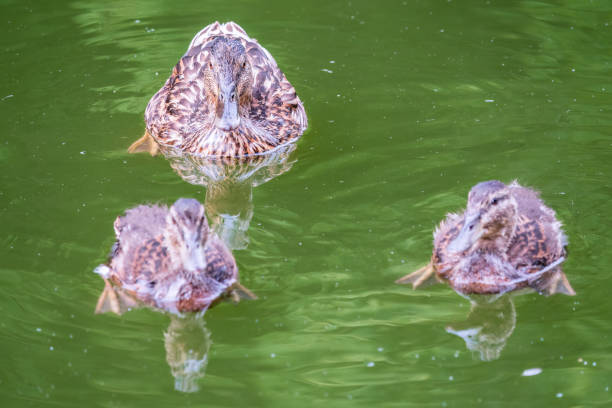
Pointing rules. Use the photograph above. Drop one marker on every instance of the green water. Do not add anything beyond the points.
(410, 104)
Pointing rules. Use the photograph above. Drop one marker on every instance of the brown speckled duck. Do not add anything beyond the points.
(166, 258)
(226, 97)
(507, 239)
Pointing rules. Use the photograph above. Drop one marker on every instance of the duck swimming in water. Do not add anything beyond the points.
(225, 97)
(168, 259)
(507, 239)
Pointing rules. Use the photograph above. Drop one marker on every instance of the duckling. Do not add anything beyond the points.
(168, 259)
(225, 97)
(507, 239)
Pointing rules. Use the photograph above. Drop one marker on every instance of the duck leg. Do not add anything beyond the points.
(419, 277)
(240, 292)
(108, 300)
(115, 300)
(553, 282)
(145, 144)
(558, 283)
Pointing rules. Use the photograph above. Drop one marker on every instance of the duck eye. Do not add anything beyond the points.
(494, 201)
(210, 65)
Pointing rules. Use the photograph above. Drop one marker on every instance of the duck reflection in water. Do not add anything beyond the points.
(187, 342)
(167, 258)
(490, 323)
(229, 186)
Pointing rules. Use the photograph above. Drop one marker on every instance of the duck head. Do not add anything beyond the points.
(228, 81)
(186, 234)
(490, 219)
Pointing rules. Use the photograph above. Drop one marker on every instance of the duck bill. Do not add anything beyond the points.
(469, 234)
(229, 118)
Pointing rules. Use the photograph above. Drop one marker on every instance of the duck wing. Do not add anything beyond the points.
(275, 102)
(539, 243)
(138, 251)
(145, 265)
(539, 239)
(179, 110)
(221, 266)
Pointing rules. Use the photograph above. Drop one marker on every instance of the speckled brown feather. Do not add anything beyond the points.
(537, 242)
(181, 116)
(141, 265)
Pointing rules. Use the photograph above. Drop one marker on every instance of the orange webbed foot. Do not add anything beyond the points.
(421, 276)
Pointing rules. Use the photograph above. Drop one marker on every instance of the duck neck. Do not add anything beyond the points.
(194, 260)
(186, 256)
(498, 243)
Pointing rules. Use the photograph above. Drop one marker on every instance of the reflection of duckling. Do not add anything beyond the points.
(507, 239)
(225, 97)
(167, 258)
(489, 325)
(187, 343)
(229, 187)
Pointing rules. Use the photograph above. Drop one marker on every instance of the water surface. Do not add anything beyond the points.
(410, 103)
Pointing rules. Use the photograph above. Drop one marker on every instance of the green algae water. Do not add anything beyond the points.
(410, 103)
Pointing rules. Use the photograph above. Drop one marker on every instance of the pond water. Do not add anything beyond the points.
(410, 103)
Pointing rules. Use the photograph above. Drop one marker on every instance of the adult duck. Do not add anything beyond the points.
(226, 97)
(507, 239)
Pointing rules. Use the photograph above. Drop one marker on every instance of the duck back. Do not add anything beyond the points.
(538, 239)
(180, 114)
